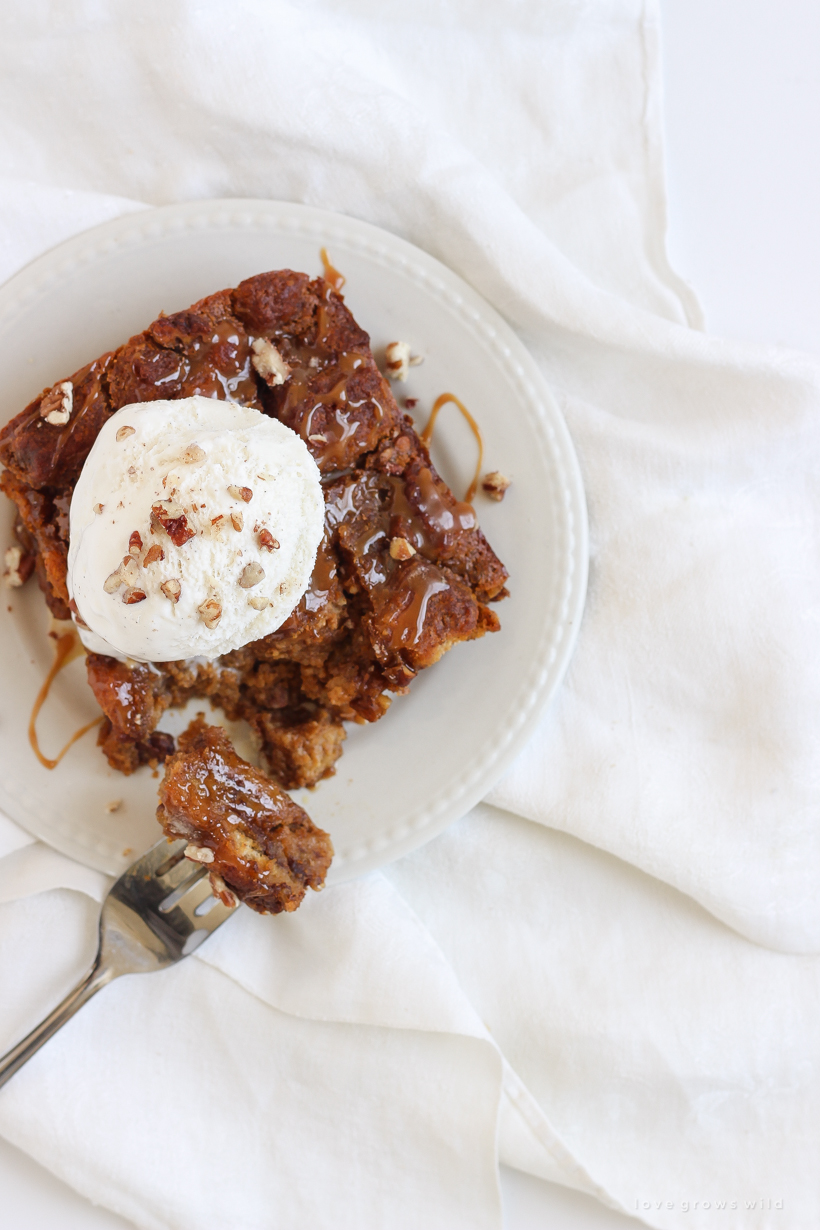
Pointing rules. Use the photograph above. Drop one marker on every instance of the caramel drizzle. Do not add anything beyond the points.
(427, 436)
(406, 624)
(219, 366)
(335, 432)
(324, 570)
(67, 648)
(331, 274)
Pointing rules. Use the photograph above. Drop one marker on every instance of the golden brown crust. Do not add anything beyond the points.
(249, 833)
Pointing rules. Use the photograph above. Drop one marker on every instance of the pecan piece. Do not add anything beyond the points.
(251, 575)
(268, 362)
(220, 889)
(240, 493)
(399, 360)
(112, 582)
(495, 484)
(210, 612)
(199, 854)
(127, 574)
(18, 567)
(170, 517)
(58, 403)
(129, 570)
(267, 541)
(400, 549)
(171, 589)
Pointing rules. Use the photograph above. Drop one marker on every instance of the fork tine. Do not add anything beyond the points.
(171, 899)
(194, 898)
(160, 852)
(188, 882)
(168, 866)
(215, 917)
(184, 870)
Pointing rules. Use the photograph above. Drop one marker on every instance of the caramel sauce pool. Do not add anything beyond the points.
(427, 436)
(68, 646)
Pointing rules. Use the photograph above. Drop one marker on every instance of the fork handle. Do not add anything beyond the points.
(96, 978)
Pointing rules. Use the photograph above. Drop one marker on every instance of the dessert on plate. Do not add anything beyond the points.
(232, 506)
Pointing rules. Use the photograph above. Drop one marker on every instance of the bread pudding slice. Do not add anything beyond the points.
(403, 573)
(259, 846)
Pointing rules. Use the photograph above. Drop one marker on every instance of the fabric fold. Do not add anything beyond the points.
(607, 977)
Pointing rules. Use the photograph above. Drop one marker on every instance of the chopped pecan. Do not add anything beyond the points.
(170, 517)
(193, 455)
(58, 403)
(400, 548)
(220, 889)
(398, 360)
(18, 567)
(127, 574)
(171, 589)
(129, 570)
(210, 611)
(495, 484)
(199, 854)
(251, 575)
(240, 493)
(268, 362)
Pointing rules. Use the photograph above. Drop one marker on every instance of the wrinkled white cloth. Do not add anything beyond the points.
(608, 977)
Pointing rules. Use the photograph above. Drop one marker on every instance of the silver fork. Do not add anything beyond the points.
(157, 912)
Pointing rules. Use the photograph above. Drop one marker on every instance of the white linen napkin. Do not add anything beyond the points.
(629, 1002)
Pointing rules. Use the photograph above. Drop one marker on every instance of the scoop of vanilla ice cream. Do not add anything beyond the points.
(194, 528)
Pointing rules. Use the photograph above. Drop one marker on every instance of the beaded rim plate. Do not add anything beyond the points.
(440, 748)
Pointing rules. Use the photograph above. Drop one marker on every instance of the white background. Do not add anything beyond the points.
(742, 117)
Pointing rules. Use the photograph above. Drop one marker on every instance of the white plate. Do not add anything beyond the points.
(439, 749)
